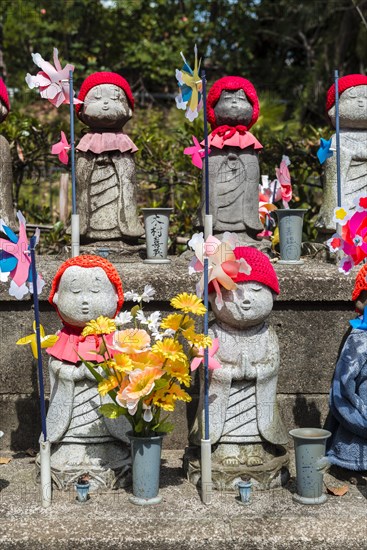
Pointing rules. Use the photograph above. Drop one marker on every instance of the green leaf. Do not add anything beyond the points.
(111, 410)
(165, 427)
(135, 310)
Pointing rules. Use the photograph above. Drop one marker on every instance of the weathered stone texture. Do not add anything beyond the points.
(310, 317)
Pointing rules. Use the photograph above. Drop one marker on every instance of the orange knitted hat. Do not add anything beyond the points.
(361, 282)
(90, 261)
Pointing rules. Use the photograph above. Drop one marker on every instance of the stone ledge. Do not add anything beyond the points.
(181, 521)
(310, 282)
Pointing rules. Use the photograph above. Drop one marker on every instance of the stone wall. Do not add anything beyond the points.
(310, 316)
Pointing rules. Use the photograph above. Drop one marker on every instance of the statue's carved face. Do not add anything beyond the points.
(84, 294)
(233, 108)
(245, 307)
(352, 108)
(106, 107)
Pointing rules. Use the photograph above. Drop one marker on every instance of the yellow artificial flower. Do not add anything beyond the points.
(131, 340)
(165, 400)
(174, 321)
(168, 348)
(188, 303)
(46, 341)
(107, 385)
(180, 394)
(166, 397)
(101, 325)
(197, 339)
(123, 363)
(145, 359)
(179, 370)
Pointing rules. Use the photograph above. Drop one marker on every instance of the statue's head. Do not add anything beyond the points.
(84, 288)
(359, 295)
(232, 101)
(4, 101)
(352, 101)
(108, 101)
(251, 303)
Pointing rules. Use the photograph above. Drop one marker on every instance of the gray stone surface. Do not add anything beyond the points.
(310, 317)
(7, 212)
(109, 521)
(353, 156)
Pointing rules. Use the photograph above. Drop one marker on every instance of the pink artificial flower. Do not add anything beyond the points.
(212, 363)
(61, 149)
(197, 153)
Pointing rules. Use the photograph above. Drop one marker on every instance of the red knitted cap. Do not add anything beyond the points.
(262, 270)
(4, 94)
(96, 79)
(231, 83)
(90, 261)
(344, 83)
(361, 283)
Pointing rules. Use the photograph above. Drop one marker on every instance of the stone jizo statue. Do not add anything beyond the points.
(353, 148)
(84, 288)
(7, 212)
(347, 421)
(105, 169)
(234, 174)
(246, 431)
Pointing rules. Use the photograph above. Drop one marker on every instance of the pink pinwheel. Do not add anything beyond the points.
(284, 179)
(52, 81)
(197, 153)
(212, 363)
(15, 259)
(352, 239)
(223, 266)
(61, 149)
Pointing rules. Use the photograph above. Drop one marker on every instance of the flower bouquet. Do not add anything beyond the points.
(146, 365)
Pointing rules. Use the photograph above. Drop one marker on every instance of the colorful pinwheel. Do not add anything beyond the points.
(15, 260)
(61, 149)
(52, 81)
(352, 239)
(190, 84)
(223, 266)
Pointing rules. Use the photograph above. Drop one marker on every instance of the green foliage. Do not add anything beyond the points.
(288, 48)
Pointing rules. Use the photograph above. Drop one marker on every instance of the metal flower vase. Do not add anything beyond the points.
(309, 446)
(156, 222)
(290, 223)
(146, 464)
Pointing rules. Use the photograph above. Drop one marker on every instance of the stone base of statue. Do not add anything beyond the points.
(270, 474)
(108, 465)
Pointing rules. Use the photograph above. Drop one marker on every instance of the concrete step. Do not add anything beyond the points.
(180, 521)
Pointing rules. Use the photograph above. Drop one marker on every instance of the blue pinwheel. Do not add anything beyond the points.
(324, 152)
